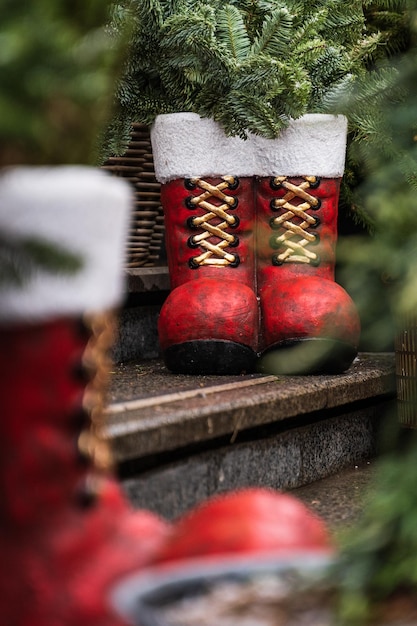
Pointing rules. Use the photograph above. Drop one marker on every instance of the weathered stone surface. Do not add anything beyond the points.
(162, 412)
(137, 334)
(180, 439)
(146, 279)
(285, 460)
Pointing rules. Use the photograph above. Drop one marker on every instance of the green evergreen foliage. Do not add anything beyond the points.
(384, 150)
(380, 562)
(388, 23)
(380, 559)
(58, 65)
(251, 65)
(390, 20)
(19, 260)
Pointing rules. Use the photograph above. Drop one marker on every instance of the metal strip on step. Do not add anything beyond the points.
(140, 403)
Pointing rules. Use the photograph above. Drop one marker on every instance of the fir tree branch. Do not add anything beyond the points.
(231, 32)
(20, 260)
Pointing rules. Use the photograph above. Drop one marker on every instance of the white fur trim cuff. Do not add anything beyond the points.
(83, 211)
(185, 145)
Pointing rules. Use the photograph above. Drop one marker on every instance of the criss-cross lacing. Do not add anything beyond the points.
(96, 360)
(213, 238)
(294, 221)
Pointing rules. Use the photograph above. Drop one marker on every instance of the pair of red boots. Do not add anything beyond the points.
(67, 535)
(251, 229)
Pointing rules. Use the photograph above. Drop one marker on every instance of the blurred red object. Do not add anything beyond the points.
(253, 520)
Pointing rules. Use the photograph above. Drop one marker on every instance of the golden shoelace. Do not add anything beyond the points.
(294, 221)
(214, 251)
(97, 359)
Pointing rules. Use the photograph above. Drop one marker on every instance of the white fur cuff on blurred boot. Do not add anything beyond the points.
(82, 211)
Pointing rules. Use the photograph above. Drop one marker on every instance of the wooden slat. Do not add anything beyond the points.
(147, 227)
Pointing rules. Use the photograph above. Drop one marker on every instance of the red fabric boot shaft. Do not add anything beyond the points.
(309, 323)
(209, 323)
(66, 535)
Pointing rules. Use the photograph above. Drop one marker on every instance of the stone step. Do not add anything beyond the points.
(180, 439)
(340, 499)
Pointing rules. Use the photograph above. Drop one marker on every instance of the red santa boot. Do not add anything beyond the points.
(309, 322)
(209, 323)
(67, 533)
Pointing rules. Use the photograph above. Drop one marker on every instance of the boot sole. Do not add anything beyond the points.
(210, 357)
(307, 356)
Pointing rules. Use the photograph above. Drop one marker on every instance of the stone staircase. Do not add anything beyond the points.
(179, 439)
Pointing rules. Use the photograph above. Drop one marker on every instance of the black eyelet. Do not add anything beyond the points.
(235, 183)
(234, 243)
(273, 224)
(191, 243)
(191, 224)
(315, 207)
(236, 262)
(316, 262)
(85, 496)
(316, 240)
(189, 184)
(273, 184)
(83, 458)
(276, 261)
(235, 223)
(315, 184)
(316, 223)
(234, 204)
(192, 264)
(82, 374)
(83, 330)
(80, 418)
(189, 204)
(273, 206)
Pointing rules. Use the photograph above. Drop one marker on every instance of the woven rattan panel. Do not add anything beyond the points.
(406, 370)
(144, 245)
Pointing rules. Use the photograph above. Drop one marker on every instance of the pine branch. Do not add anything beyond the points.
(57, 79)
(204, 50)
(275, 35)
(232, 33)
(250, 114)
(20, 260)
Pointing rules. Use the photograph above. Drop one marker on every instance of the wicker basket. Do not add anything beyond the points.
(145, 242)
(406, 373)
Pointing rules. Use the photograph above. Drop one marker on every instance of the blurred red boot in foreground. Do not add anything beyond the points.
(67, 533)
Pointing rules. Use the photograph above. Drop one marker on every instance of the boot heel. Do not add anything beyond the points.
(307, 356)
(210, 357)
